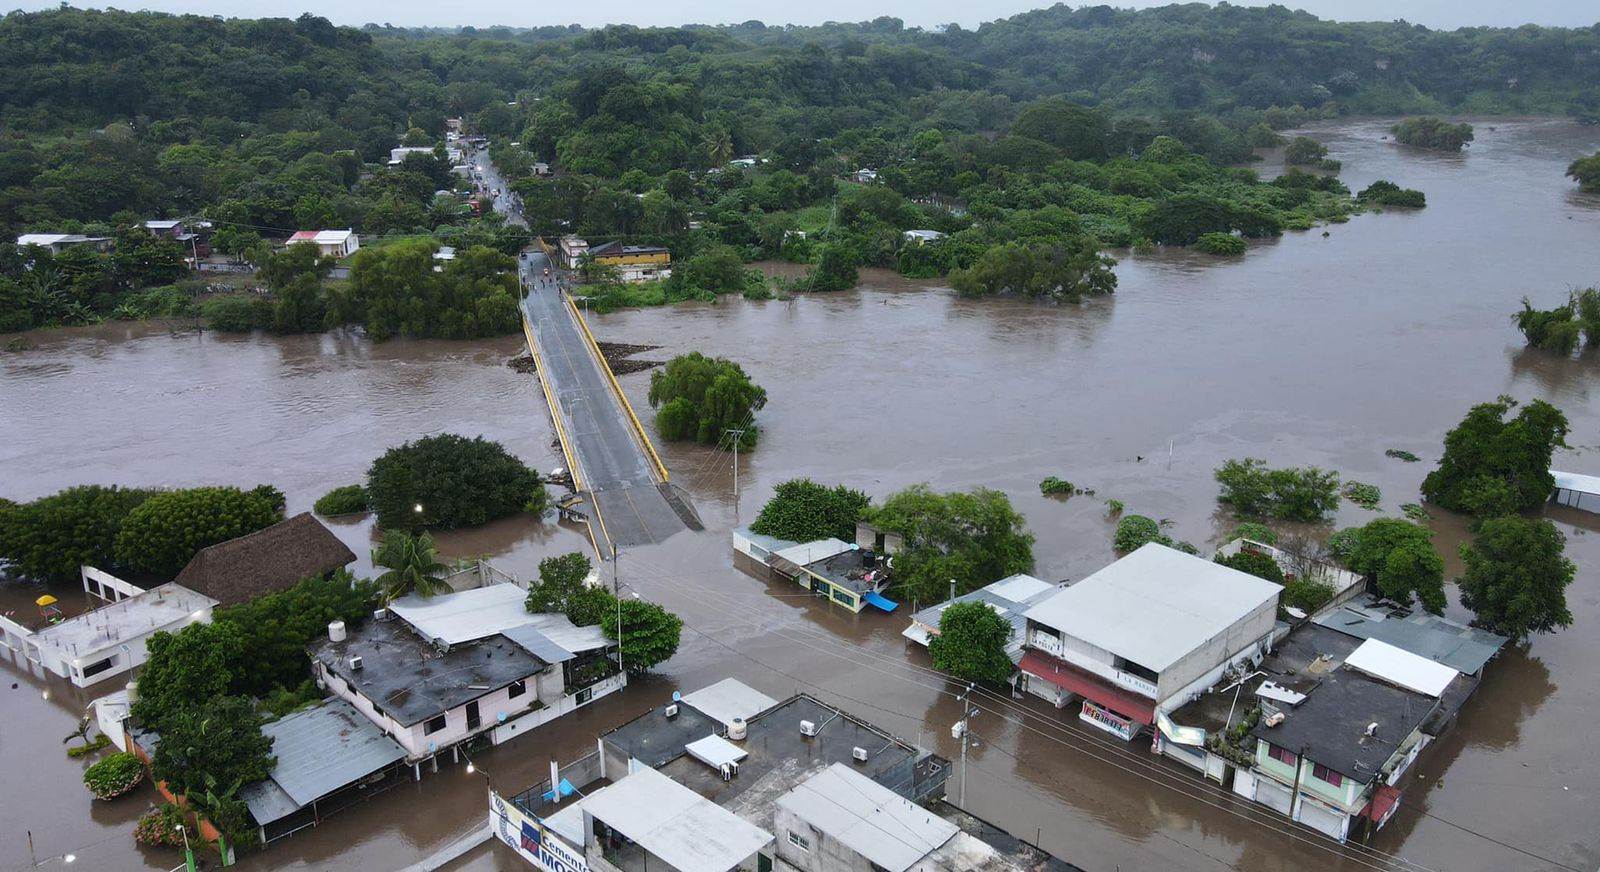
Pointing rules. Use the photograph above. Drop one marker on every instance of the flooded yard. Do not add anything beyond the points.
(1315, 348)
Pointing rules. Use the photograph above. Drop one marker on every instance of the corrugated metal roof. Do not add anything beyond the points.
(1155, 605)
(1464, 649)
(464, 615)
(1400, 667)
(1576, 481)
(537, 644)
(810, 552)
(677, 825)
(319, 750)
(868, 818)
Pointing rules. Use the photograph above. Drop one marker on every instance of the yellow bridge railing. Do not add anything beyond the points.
(638, 428)
(555, 408)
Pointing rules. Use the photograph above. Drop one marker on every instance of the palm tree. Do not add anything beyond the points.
(413, 565)
(718, 146)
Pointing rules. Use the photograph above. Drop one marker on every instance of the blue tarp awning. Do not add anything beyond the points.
(877, 599)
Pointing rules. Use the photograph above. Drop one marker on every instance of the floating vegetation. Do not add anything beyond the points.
(1362, 494)
(1415, 512)
(1054, 486)
(1399, 454)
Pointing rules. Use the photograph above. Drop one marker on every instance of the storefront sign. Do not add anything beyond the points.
(1114, 724)
(529, 837)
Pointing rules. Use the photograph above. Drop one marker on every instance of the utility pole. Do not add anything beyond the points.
(616, 593)
(952, 590)
(964, 730)
(738, 436)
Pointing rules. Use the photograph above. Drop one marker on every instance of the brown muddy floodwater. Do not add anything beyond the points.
(1321, 349)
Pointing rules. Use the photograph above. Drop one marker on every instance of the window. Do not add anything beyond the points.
(584, 695)
(433, 726)
(800, 841)
(98, 667)
(844, 597)
(517, 689)
(1282, 755)
(1323, 773)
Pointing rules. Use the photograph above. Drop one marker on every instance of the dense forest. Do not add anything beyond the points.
(1051, 127)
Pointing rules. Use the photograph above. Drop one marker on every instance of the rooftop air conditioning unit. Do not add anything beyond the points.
(380, 614)
(671, 711)
(808, 728)
(355, 663)
(859, 753)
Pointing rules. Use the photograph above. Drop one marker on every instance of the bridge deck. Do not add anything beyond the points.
(625, 493)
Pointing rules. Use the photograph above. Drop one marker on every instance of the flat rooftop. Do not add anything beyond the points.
(869, 819)
(463, 616)
(1298, 662)
(410, 680)
(1329, 727)
(1156, 605)
(847, 569)
(112, 624)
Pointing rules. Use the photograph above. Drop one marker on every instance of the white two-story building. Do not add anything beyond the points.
(1145, 635)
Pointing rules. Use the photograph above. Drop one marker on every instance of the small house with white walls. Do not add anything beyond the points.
(434, 672)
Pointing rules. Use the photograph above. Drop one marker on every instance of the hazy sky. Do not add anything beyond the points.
(926, 13)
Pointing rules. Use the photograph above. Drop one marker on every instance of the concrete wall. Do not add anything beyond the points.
(561, 705)
(1218, 649)
(826, 853)
(418, 744)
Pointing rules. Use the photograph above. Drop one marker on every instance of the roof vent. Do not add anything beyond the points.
(336, 631)
(355, 663)
(859, 753)
(1372, 729)
(671, 711)
(808, 728)
(736, 729)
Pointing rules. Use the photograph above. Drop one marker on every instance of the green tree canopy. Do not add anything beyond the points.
(49, 538)
(216, 741)
(1494, 466)
(1306, 494)
(412, 564)
(1430, 132)
(185, 669)
(700, 398)
(560, 583)
(973, 537)
(1399, 556)
(803, 511)
(1516, 577)
(1080, 132)
(274, 630)
(1253, 563)
(1586, 172)
(165, 531)
(649, 637)
(458, 482)
(971, 643)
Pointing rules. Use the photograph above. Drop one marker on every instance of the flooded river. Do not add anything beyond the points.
(1312, 349)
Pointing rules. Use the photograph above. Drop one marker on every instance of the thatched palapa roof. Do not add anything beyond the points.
(266, 561)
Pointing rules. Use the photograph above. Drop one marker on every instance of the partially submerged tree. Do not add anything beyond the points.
(49, 538)
(702, 398)
(1398, 556)
(185, 669)
(971, 643)
(449, 481)
(649, 634)
(1494, 466)
(802, 510)
(165, 531)
(972, 537)
(1516, 577)
(1305, 494)
(560, 583)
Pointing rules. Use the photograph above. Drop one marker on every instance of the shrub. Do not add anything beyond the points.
(345, 500)
(1400, 454)
(1386, 193)
(803, 511)
(1221, 243)
(1134, 531)
(1307, 596)
(1114, 507)
(158, 828)
(100, 742)
(237, 313)
(165, 531)
(458, 482)
(1256, 532)
(115, 775)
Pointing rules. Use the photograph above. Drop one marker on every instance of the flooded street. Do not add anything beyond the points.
(1311, 349)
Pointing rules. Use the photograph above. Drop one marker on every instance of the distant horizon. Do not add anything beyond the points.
(1433, 14)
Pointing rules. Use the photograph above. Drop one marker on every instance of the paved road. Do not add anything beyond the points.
(634, 508)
